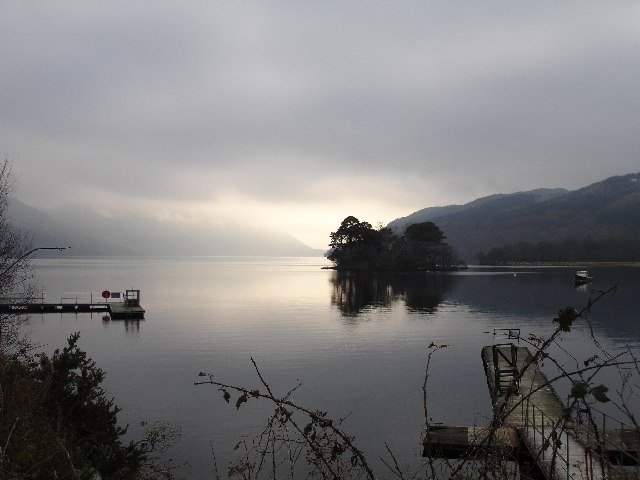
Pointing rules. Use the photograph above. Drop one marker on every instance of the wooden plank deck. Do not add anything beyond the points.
(532, 383)
(529, 417)
(622, 447)
(539, 419)
(123, 311)
(460, 442)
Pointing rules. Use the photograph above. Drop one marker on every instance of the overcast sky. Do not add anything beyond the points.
(295, 114)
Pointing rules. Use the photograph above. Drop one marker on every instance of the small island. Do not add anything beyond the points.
(357, 245)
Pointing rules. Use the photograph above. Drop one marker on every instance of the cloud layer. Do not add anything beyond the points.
(297, 114)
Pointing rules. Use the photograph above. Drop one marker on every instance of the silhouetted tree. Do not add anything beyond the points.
(426, 232)
(357, 245)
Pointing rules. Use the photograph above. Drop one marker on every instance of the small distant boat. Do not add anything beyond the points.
(581, 277)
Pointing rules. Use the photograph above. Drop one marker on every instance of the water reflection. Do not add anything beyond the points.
(357, 292)
(279, 313)
(130, 326)
(584, 288)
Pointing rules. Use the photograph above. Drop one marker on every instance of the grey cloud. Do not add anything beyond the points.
(272, 98)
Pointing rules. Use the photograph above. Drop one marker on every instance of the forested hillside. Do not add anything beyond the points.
(607, 213)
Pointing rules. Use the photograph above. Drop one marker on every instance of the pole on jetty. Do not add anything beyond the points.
(29, 253)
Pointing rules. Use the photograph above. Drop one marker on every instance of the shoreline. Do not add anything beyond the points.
(564, 264)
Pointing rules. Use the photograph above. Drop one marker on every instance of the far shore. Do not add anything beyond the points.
(511, 264)
(565, 264)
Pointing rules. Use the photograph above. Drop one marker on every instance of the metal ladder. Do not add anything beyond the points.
(505, 368)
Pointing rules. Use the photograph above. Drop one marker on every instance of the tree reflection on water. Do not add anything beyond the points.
(356, 292)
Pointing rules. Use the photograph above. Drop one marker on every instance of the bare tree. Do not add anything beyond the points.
(16, 273)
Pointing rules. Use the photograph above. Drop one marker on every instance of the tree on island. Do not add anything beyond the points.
(357, 245)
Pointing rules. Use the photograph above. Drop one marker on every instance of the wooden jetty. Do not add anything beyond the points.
(530, 426)
(128, 308)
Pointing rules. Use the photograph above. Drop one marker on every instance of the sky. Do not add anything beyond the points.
(292, 115)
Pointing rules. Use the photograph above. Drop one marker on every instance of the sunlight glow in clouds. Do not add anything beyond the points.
(293, 116)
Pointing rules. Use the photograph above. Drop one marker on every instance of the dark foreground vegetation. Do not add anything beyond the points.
(56, 420)
(357, 245)
(569, 250)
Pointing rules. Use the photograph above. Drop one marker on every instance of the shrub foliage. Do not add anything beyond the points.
(57, 421)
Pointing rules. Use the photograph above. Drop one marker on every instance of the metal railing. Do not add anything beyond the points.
(65, 298)
(80, 297)
(545, 443)
(89, 297)
(549, 441)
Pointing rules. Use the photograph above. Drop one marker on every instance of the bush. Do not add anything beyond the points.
(57, 422)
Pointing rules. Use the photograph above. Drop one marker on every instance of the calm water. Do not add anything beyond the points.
(358, 343)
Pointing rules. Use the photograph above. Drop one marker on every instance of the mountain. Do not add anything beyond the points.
(92, 234)
(609, 209)
(429, 214)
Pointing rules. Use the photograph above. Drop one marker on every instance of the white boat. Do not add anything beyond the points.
(581, 277)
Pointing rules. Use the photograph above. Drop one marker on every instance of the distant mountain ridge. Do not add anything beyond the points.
(609, 209)
(91, 234)
(433, 213)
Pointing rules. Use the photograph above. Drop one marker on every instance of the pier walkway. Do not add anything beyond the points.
(530, 422)
(128, 308)
(539, 418)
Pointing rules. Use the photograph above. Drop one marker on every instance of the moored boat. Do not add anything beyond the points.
(581, 277)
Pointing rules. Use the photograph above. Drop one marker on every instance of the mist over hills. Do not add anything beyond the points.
(605, 210)
(92, 234)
